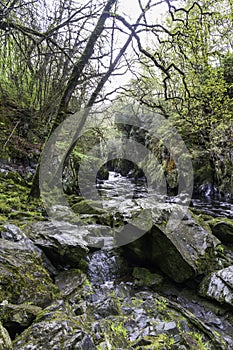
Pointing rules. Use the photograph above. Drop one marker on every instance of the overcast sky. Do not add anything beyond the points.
(131, 10)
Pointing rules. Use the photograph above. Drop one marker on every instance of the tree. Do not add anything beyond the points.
(194, 87)
(75, 77)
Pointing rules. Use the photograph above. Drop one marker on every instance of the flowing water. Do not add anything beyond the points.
(107, 269)
(119, 188)
(214, 207)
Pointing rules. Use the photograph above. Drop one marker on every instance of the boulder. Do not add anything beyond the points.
(55, 328)
(69, 281)
(222, 228)
(13, 233)
(62, 242)
(87, 207)
(182, 253)
(22, 276)
(14, 316)
(143, 277)
(218, 286)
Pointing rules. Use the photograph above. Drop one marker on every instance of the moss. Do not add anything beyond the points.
(26, 282)
(119, 329)
(5, 340)
(222, 220)
(14, 202)
(25, 215)
(113, 332)
(73, 199)
(198, 340)
(146, 278)
(4, 208)
(158, 342)
(87, 207)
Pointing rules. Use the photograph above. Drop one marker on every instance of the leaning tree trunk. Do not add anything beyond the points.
(72, 84)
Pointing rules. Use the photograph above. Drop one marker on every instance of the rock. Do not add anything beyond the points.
(223, 229)
(22, 276)
(219, 286)
(88, 207)
(145, 278)
(14, 233)
(182, 253)
(55, 328)
(5, 340)
(62, 242)
(69, 281)
(106, 266)
(17, 317)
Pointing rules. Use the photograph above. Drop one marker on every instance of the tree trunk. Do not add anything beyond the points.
(72, 84)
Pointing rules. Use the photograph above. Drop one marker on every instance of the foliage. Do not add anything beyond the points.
(195, 91)
(58, 57)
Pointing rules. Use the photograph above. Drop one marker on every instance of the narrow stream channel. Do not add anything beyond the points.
(110, 277)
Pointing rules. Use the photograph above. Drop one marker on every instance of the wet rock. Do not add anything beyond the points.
(104, 308)
(145, 278)
(55, 328)
(69, 281)
(182, 253)
(14, 233)
(222, 229)
(87, 207)
(22, 276)
(5, 340)
(62, 242)
(16, 318)
(219, 286)
(106, 266)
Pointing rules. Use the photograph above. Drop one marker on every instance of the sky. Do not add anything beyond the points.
(132, 10)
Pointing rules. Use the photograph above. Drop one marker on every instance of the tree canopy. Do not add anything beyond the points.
(60, 56)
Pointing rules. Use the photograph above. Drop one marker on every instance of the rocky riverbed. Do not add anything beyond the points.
(165, 290)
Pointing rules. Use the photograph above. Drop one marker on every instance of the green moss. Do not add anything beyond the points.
(27, 282)
(145, 277)
(87, 207)
(158, 342)
(4, 208)
(201, 344)
(119, 329)
(161, 304)
(14, 203)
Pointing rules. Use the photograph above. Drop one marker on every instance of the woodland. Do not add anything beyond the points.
(59, 57)
(116, 62)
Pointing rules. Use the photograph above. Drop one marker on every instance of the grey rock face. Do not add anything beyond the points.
(22, 276)
(182, 253)
(219, 286)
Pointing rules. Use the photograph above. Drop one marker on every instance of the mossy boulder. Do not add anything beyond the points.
(143, 277)
(222, 228)
(61, 242)
(88, 207)
(17, 317)
(23, 279)
(219, 286)
(187, 250)
(55, 328)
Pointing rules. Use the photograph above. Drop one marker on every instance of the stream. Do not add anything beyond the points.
(119, 188)
(109, 276)
(67, 296)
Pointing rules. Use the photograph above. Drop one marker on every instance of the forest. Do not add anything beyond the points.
(116, 168)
